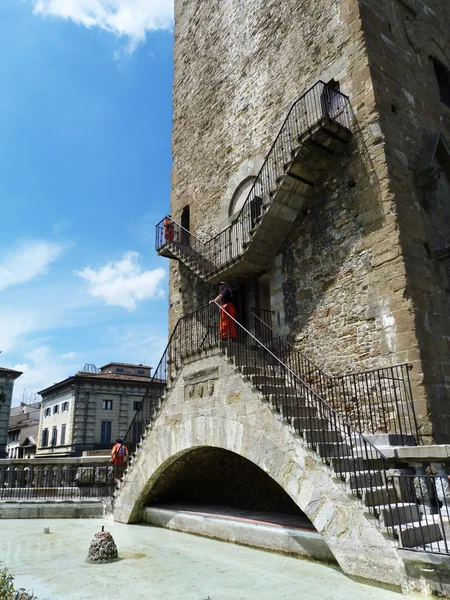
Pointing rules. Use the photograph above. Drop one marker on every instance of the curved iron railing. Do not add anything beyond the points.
(338, 442)
(319, 106)
(184, 340)
(374, 401)
(353, 458)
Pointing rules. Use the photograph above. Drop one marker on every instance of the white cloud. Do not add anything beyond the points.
(40, 370)
(27, 261)
(123, 283)
(124, 18)
(67, 355)
(14, 324)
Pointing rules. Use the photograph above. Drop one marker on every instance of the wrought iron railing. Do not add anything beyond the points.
(319, 106)
(55, 482)
(338, 442)
(374, 401)
(424, 500)
(190, 334)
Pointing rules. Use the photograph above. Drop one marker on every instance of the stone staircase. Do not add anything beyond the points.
(360, 466)
(352, 461)
(313, 135)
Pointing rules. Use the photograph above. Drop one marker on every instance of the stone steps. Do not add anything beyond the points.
(314, 436)
(414, 535)
(365, 480)
(380, 496)
(399, 513)
(332, 451)
(309, 422)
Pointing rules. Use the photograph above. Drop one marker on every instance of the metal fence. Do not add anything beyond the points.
(373, 401)
(61, 482)
(318, 107)
(412, 508)
(419, 512)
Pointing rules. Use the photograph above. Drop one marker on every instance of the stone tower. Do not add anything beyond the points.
(351, 257)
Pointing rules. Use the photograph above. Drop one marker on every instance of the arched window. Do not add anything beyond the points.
(240, 195)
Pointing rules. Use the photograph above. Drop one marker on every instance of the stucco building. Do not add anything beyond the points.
(7, 378)
(23, 430)
(92, 408)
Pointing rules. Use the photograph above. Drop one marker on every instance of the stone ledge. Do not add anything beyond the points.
(417, 453)
(230, 528)
(427, 558)
(57, 509)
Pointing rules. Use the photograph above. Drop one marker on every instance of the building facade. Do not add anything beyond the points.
(7, 378)
(23, 430)
(89, 410)
(352, 258)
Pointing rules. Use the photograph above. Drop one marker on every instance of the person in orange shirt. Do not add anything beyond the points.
(119, 459)
(168, 229)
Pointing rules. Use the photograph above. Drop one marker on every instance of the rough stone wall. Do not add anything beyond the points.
(223, 411)
(401, 36)
(238, 68)
(339, 286)
(333, 308)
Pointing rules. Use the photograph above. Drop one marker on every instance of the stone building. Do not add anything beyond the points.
(345, 241)
(92, 408)
(7, 378)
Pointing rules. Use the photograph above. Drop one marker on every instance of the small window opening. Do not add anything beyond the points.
(186, 225)
(443, 79)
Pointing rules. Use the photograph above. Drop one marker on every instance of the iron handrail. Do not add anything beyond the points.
(228, 245)
(333, 382)
(278, 136)
(129, 438)
(181, 227)
(309, 388)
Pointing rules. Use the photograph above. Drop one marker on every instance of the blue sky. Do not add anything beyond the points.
(85, 134)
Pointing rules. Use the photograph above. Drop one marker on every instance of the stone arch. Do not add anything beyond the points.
(213, 476)
(235, 419)
(246, 172)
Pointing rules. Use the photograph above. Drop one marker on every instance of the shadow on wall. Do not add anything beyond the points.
(209, 476)
(327, 264)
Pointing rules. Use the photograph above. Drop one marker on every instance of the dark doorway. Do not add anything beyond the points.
(239, 298)
(186, 225)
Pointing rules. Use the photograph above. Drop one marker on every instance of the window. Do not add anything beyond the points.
(119, 370)
(137, 405)
(141, 372)
(62, 439)
(105, 433)
(443, 79)
(54, 436)
(56, 409)
(44, 437)
(137, 431)
(107, 404)
(13, 436)
(65, 407)
(47, 412)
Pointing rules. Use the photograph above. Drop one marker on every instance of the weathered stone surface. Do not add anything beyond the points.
(102, 548)
(248, 427)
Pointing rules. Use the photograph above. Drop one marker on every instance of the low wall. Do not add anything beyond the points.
(276, 538)
(85, 509)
